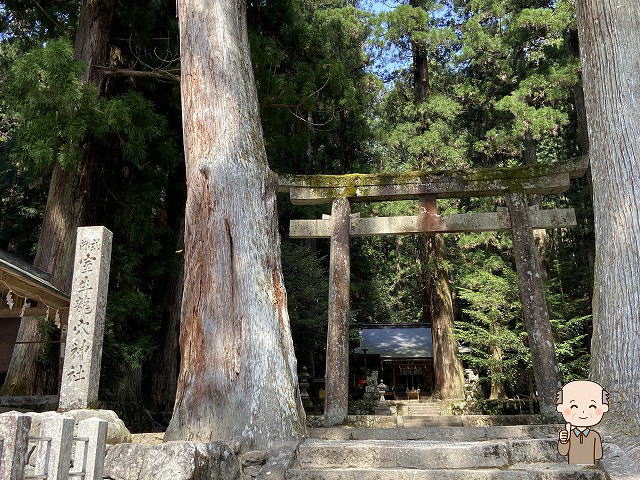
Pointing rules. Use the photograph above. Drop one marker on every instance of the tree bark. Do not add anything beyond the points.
(420, 74)
(496, 371)
(610, 53)
(534, 304)
(68, 204)
(582, 137)
(530, 157)
(447, 367)
(238, 374)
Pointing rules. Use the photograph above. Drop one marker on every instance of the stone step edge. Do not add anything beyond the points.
(532, 470)
(512, 451)
(524, 432)
(534, 467)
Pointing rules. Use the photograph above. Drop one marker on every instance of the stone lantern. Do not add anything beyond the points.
(382, 388)
(303, 382)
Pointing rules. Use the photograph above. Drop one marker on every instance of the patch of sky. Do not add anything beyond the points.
(3, 34)
(388, 61)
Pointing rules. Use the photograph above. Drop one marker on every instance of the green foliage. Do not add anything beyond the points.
(365, 406)
(21, 198)
(510, 406)
(312, 85)
(488, 291)
(385, 285)
(56, 111)
(53, 109)
(131, 313)
(499, 80)
(519, 72)
(307, 288)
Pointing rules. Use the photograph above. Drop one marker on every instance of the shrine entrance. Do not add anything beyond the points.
(514, 184)
(402, 354)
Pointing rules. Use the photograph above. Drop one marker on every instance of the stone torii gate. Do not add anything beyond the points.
(514, 184)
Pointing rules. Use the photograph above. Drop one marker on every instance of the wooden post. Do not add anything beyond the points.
(337, 367)
(534, 305)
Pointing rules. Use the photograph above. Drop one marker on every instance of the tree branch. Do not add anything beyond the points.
(157, 74)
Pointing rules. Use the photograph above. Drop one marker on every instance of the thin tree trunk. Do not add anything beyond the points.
(447, 367)
(610, 52)
(436, 294)
(530, 157)
(496, 371)
(238, 370)
(166, 365)
(67, 208)
(573, 48)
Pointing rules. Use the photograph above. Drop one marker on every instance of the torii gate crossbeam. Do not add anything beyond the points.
(514, 184)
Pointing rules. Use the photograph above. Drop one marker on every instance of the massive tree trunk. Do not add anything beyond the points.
(67, 208)
(238, 370)
(610, 52)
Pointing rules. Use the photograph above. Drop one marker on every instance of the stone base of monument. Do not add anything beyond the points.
(117, 432)
(177, 460)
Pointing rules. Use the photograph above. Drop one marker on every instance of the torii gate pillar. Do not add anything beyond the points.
(534, 305)
(337, 366)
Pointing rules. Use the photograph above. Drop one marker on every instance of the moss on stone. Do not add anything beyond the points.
(353, 180)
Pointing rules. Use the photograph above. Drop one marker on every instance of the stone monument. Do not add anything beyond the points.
(85, 332)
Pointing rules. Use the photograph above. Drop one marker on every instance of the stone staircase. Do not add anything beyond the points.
(430, 407)
(525, 452)
(429, 413)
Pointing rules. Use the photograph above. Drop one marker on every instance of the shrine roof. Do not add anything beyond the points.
(28, 281)
(397, 341)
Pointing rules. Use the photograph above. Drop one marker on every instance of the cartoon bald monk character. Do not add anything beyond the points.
(582, 403)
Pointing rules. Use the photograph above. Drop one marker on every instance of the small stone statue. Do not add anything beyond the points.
(471, 385)
(371, 388)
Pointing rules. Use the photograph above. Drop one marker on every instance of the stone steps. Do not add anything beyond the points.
(430, 420)
(529, 472)
(425, 454)
(523, 452)
(438, 433)
(426, 411)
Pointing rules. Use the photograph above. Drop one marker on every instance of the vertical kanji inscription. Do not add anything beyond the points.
(83, 347)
